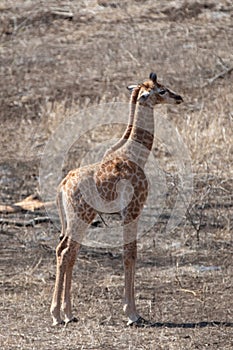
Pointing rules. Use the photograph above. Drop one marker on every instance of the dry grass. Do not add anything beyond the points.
(58, 58)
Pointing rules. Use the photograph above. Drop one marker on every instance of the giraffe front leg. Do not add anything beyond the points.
(73, 248)
(61, 257)
(129, 258)
(129, 261)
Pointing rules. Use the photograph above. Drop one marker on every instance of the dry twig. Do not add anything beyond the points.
(219, 75)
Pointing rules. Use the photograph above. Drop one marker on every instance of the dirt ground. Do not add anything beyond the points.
(60, 57)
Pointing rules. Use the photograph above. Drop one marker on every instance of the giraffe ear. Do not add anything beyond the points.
(131, 87)
(153, 77)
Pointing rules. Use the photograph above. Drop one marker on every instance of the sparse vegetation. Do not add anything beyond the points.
(58, 58)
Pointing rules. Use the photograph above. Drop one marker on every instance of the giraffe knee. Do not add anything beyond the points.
(61, 246)
(67, 250)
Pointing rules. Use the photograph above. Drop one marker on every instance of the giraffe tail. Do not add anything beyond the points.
(61, 212)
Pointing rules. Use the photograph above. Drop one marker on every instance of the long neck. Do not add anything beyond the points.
(127, 132)
(141, 138)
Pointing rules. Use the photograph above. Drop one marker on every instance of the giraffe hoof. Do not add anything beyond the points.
(58, 323)
(73, 319)
(140, 322)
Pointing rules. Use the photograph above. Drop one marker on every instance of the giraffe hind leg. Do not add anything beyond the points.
(59, 281)
(66, 254)
(73, 249)
(61, 212)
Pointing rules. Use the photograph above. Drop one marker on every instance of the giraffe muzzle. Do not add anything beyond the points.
(179, 99)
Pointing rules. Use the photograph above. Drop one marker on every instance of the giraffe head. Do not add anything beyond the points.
(151, 93)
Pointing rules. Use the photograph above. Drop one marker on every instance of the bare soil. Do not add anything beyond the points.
(60, 57)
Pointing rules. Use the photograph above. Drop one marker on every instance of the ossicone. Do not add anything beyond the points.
(153, 77)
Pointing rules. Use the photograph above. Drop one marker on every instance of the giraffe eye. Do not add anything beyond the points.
(162, 92)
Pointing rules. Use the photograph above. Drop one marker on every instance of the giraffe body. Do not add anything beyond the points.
(116, 184)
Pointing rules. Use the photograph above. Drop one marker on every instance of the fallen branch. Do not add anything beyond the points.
(31, 203)
(8, 209)
(62, 12)
(217, 76)
(25, 223)
(195, 294)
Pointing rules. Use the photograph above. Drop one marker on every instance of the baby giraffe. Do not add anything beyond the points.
(116, 184)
